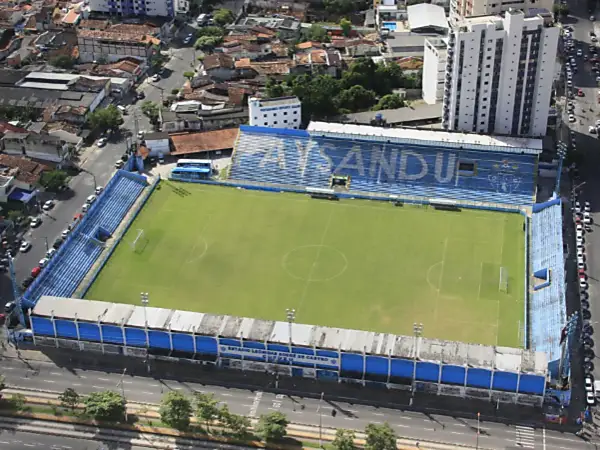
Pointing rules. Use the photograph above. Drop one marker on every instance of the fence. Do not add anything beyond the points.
(85, 285)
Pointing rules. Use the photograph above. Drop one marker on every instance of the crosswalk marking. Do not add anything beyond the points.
(525, 437)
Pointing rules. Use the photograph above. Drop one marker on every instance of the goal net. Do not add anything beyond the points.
(139, 243)
(503, 283)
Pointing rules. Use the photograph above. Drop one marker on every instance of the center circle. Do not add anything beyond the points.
(314, 262)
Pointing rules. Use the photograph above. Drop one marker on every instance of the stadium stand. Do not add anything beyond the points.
(547, 312)
(78, 254)
(409, 168)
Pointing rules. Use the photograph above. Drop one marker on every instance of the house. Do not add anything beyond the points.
(250, 69)
(157, 143)
(355, 48)
(35, 145)
(205, 143)
(94, 24)
(11, 15)
(219, 66)
(286, 27)
(72, 18)
(19, 178)
(319, 61)
(244, 49)
(205, 119)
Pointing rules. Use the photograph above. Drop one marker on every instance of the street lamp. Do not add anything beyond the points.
(320, 421)
(144, 297)
(291, 317)
(477, 441)
(123, 391)
(417, 331)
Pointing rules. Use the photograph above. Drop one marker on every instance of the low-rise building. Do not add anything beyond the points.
(219, 66)
(157, 143)
(281, 112)
(127, 8)
(205, 144)
(40, 146)
(434, 70)
(111, 46)
(19, 178)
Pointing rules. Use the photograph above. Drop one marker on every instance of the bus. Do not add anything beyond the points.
(192, 169)
(201, 163)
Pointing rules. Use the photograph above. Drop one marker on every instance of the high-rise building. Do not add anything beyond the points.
(499, 74)
(161, 8)
(469, 8)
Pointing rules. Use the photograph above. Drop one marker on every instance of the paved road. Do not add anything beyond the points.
(47, 376)
(18, 440)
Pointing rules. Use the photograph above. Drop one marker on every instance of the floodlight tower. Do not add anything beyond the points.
(291, 317)
(144, 298)
(561, 150)
(417, 331)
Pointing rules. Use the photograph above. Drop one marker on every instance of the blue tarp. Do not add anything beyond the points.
(21, 195)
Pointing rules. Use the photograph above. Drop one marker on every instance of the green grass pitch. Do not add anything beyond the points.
(352, 264)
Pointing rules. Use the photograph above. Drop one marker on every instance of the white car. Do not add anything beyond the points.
(577, 207)
(50, 253)
(119, 164)
(569, 76)
(91, 199)
(85, 208)
(580, 265)
(582, 284)
(570, 83)
(590, 398)
(101, 142)
(572, 118)
(589, 384)
(587, 207)
(579, 227)
(580, 240)
(25, 246)
(99, 190)
(579, 52)
(155, 78)
(48, 205)
(35, 222)
(140, 134)
(592, 18)
(43, 262)
(65, 233)
(592, 130)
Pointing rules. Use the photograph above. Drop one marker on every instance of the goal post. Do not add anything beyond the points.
(503, 280)
(138, 244)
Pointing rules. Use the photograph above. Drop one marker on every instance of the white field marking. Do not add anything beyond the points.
(147, 393)
(225, 394)
(314, 264)
(49, 381)
(437, 297)
(480, 280)
(256, 403)
(56, 373)
(75, 384)
(127, 382)
(99, 387)
(456, 432)
(427, 276)
(544, 438)
(103, 379)
(378, 414)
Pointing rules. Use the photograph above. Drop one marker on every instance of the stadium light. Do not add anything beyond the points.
(291, 317)
(417, 331)
(144, 297)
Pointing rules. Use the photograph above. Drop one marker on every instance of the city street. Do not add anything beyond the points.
(18, 440)
(98, 165)
(300, 410)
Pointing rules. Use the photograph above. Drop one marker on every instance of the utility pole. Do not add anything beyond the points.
(417, 331)
(321, 421)
(477, 441)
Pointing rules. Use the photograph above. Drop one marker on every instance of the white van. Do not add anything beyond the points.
(201, 19)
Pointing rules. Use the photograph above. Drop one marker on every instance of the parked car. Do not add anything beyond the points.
(140, 95)
(25, 246)
(36, 271)
(57, 243)
(48, 205)
(91, 199)
(85, 208)
(43, 262)
(119, 164)
(154, 78)
(65, 233)
(101, 142)
(9, 307)
(99, 190)
(583, 284)
(35, 222)
(590, 398)
(27, 282)
(50, 253)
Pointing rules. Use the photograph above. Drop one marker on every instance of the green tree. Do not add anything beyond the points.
(223, 16)
(150, 110)
(234, 422)
(175, 91)
(380, 437)
(62, 62)
(346, 27)
(211, 31)
(207, 408)
(18, 401)
(316, 94)
(355, 99)
(69, 399)
(106, 405)
(208, 43)
(53, 180)
(2, 383)
(344, 440)
(344, 6)
(276, 89)
(189, 75)
(16, 216)
(175, 410)
(106, 118)
(273, 426)
(317, 33)
(390, 101)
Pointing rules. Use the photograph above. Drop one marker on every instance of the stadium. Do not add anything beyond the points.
(402, 258)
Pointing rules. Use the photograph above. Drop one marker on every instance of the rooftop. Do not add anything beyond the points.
(204, 141)
(420, 136)
(279, 101)
(396, 116)
(116, 36)
(387, 345)
(23, 169)
(217, 60)
(40, 98)
(426, 15)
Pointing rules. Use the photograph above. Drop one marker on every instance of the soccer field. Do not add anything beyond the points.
(352, 264)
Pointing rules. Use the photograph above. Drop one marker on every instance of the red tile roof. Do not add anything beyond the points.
(204, 141)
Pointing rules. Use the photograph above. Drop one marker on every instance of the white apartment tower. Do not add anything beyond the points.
(499, 74)
(470, 8)
(281, 112)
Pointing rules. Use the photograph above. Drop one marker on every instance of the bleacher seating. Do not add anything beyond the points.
(293, 157)
(74, 259)
(547, 311)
